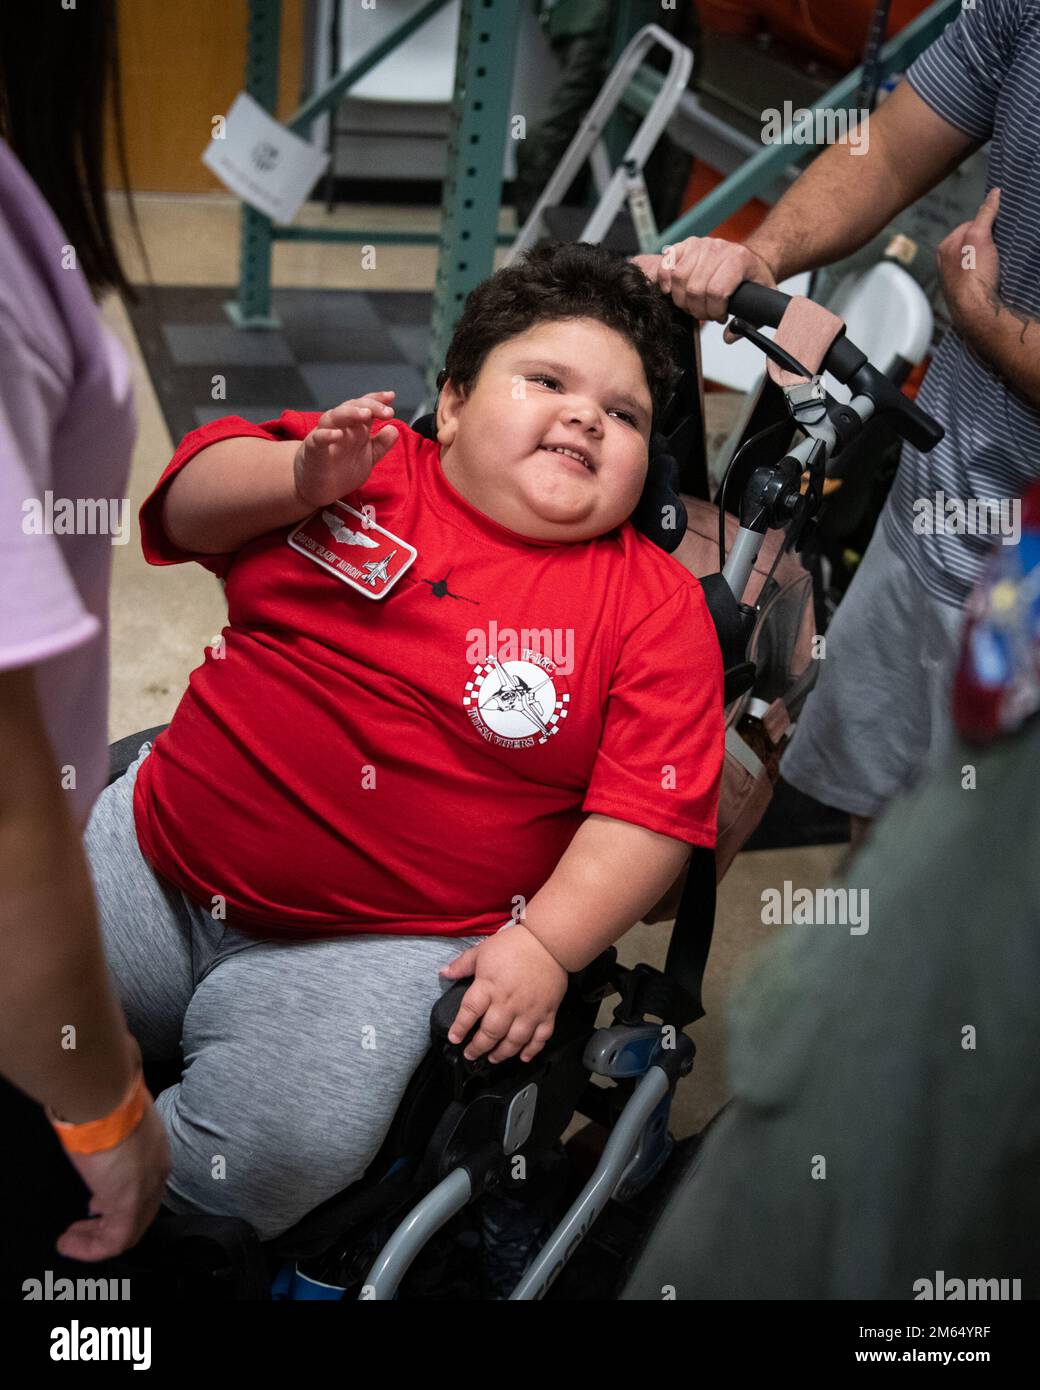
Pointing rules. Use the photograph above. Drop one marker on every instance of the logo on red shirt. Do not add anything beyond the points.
(516, 704)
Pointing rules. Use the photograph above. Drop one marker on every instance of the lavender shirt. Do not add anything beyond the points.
(67, 427)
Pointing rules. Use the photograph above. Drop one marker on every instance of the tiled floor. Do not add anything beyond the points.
(331, 345)
(163, 617)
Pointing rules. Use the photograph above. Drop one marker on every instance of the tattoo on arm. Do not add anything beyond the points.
(997, 304)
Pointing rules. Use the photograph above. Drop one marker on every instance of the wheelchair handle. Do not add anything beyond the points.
(764, 307)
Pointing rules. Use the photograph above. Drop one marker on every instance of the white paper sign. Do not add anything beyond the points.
(266, 165)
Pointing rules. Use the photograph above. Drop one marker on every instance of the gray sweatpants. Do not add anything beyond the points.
(296, 1054)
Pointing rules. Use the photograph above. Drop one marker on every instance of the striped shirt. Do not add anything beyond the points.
(983, 76)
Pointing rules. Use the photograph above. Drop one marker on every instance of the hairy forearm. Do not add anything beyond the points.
(828, 213)
(611, 873)
(232, 492)
(1009, 340)
(843, 199)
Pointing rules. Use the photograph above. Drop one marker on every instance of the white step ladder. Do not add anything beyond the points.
(625, 183)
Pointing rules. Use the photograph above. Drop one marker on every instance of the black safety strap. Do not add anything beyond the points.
(694, 924)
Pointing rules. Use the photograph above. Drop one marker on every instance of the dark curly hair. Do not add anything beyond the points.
(566, 280)
(53, 114)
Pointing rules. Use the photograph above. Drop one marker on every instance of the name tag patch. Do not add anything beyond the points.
(362, 554)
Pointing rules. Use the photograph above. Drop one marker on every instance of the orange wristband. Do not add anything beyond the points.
(93, 1136)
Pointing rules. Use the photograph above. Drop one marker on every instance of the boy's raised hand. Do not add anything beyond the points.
(340, 452)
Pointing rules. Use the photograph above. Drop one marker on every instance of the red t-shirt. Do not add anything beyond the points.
(411, 764)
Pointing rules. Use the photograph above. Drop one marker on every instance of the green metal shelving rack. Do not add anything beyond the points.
(761, 170)
(478, 125)
(473, 178)
(472, 191)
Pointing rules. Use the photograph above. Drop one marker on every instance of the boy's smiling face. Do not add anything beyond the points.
(566, 384)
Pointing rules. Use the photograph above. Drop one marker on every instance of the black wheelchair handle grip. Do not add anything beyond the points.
(760, 305)
(907, 418)
(764, 307)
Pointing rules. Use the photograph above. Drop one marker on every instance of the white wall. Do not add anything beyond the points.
(395, 122)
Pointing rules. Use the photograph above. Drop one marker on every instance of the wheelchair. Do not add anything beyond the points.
(473, 1160)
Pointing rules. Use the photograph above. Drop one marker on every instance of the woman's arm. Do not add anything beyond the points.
(53, 975)
(63, 1038)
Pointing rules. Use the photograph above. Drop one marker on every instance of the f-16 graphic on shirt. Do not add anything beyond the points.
(515, 694)
(517, 704)
(377, 572)
(345, 534)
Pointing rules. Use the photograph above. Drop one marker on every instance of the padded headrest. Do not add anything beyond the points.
(426, 425)
(660, 513)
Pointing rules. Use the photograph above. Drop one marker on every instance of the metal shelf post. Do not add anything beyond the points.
(252, 309)
(473, 175)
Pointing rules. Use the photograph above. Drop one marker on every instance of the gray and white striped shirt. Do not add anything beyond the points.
(983, 76)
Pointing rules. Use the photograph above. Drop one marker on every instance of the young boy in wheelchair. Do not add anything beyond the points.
(457, 691)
